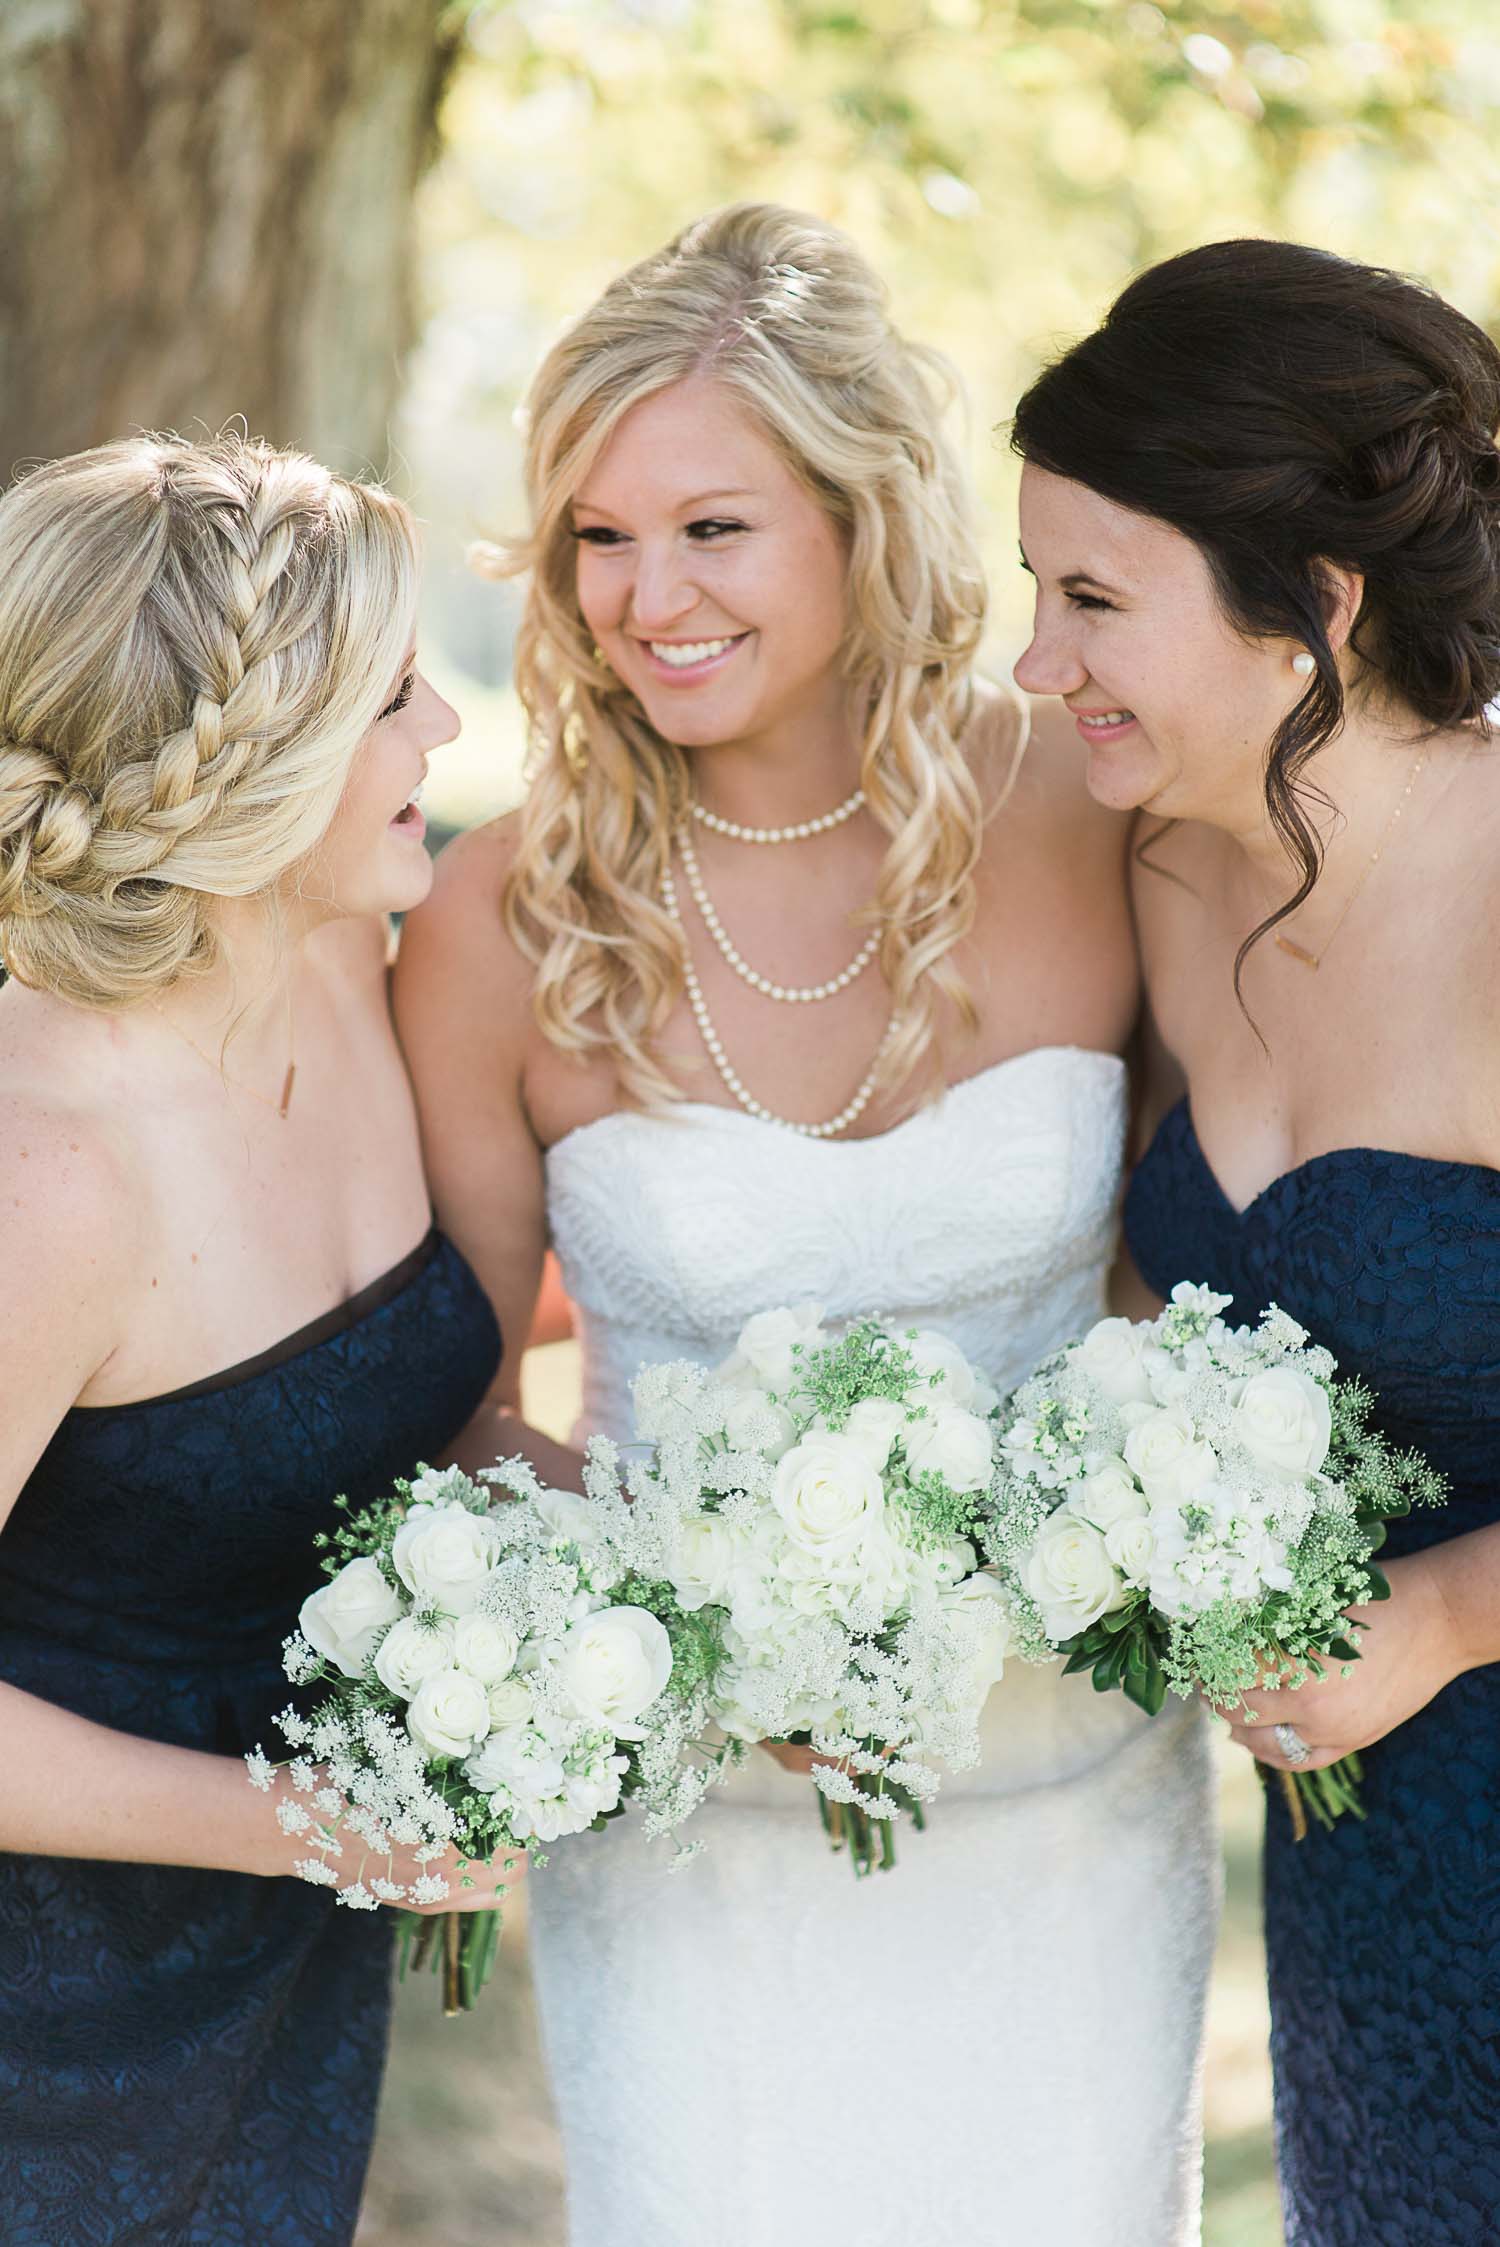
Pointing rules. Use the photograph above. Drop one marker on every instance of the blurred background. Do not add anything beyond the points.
(357, 223)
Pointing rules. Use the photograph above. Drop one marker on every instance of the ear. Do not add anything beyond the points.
(1343, 597)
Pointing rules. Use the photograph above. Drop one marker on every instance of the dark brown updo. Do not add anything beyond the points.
(1283, 407)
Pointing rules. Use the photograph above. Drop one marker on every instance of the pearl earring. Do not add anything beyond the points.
(1304, 664)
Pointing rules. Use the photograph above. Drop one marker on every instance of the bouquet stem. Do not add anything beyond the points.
(1328, 1795)
(460, 1944)
(871, 1841)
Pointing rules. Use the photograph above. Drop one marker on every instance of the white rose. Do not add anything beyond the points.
(769, 1344)
(444, 1554)
(570, 1518)
(874, 1425)
(343, 1619)
(1169, 1457)
(1110, 1354)
(485, 1648)
(449, 1713)
(709, 1550)
(1284, 1421)
(410, 1653)
(754, 1422)
(828, 1495)
(1110, 1494)
(1071, 1577)
(613, 1665)
(1131, 1545)
(510, 1703)
(945, 1375)
(980, 1619)
(954, 1444)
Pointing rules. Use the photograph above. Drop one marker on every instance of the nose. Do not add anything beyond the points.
(441, 723)
(663, 593)
(1049, 665)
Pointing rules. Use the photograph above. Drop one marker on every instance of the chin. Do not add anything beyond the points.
(1124, 780)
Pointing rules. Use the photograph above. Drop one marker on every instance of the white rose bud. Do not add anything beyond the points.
(571, 1518)
(344, 1618)
(1169, 1457)
(449, 1714)
(753, 1422)
(1071, 1577)
(410, 1653)
(485, 1648)
(828, 1495)
(510, 1703)
(954, 1444)
(445, 1554)
(980, 1618)
(1131, 1545)
(613, 1665)
(709, 1550)
(1110, 1494)
(874, 1425)
(769, 1344)
(1110, 1353)
(955, 1380)
(1283, 1419)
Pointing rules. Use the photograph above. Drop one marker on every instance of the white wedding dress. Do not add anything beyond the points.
(999, 2041)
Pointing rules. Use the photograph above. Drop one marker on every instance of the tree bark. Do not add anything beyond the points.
(207, 214)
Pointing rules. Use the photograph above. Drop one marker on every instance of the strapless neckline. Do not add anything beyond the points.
(739, 1119)
(1181, 1115)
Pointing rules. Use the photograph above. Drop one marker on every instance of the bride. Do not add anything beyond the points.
(792, 981)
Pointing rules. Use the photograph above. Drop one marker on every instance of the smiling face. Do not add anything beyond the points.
(372, 859)
(712, 580)
(1176, 707)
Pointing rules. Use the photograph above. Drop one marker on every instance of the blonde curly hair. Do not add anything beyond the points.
(194, 639)
(782, 310)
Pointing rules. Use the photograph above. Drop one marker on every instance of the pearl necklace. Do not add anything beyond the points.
(788, 994)
(851, 1111)
(797, 834)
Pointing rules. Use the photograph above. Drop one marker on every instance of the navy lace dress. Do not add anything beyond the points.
(1383, 1938)
(193, 2059)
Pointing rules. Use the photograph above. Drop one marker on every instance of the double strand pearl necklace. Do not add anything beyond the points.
(797, 834)
(852, 1110)
(787, 994)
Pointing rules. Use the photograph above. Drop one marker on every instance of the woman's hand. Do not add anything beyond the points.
(358, 1862)
(804, 1761)
(493, 1884)
(1409, 1650)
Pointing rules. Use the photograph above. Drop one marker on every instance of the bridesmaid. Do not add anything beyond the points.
(1262, 505)
(232, 1305)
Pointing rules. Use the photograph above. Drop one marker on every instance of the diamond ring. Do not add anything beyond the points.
(1291, 1743)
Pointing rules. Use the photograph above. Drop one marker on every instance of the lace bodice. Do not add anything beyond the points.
(989, 1214)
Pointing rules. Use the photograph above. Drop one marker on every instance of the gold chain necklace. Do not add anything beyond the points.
(277, 1107)
(1314, 960)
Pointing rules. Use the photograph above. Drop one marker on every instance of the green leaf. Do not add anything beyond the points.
(1379, 1584)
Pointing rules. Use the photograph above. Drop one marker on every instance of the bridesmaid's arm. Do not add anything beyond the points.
(462, 998)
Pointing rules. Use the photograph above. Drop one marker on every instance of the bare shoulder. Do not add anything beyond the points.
(458, 970)
(73, 1206)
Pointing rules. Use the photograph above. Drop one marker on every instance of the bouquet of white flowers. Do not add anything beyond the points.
(822, 1495)
(502, 1672)
(1185, 1504)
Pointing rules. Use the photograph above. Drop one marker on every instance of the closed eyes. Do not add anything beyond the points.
(401, 698)
(704, 532)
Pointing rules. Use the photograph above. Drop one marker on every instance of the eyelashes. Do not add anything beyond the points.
(401, 698)
(706, 531)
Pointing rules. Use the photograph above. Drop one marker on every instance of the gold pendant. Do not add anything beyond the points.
(1308, 959)
(286, 1090)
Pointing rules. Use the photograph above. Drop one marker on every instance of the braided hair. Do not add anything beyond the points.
(194, 639)
(1284, 409)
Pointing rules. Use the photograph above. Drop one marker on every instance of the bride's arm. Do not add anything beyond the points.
(463, 1009)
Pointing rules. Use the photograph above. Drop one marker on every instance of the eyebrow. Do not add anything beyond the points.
(1074, 578)
(699, 499)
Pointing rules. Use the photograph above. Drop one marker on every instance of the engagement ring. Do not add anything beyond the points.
(1291, 1743)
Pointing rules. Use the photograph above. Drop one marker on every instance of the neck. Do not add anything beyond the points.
(1346, 792)
(247, 992)
(798, 769)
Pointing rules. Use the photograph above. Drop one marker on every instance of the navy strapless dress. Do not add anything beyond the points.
(193, 2059)
(1383, 1938)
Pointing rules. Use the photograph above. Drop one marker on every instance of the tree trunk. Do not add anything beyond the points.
(207, 214)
